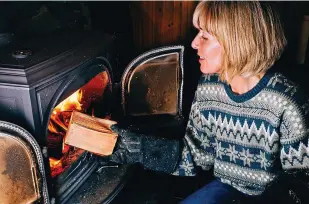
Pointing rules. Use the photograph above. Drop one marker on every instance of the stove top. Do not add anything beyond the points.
(24, 60)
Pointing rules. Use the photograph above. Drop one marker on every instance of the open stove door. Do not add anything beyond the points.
(21, 165)
(152, 88)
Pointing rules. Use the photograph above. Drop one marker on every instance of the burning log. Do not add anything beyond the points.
(65, 117)
(55, 118)
(52, 128)
(59, 165)
(55, 139)
(90, 133)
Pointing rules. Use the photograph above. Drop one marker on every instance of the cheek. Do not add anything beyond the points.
(214, 52)
(214, 56)
(213, 61)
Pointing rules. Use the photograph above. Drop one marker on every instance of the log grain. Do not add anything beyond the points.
(91, 134)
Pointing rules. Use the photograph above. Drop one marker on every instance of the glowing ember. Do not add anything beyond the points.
(54, 163)
(55, 166)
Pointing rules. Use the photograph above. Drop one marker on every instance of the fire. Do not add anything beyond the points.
(83, 100)
(70, 103)
(54, 163)
(62, 112)
(57, 127)
(55, 166)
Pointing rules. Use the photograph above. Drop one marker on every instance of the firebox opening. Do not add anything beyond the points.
(88, 99)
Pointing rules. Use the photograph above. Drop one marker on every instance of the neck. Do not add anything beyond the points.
(241, 85)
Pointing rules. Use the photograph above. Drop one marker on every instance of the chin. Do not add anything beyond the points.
(207, 70)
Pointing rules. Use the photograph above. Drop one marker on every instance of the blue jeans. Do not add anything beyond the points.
(214, 192)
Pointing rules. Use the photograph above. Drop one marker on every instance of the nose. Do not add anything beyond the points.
(195, 42)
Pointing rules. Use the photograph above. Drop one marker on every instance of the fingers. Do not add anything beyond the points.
(117, 129)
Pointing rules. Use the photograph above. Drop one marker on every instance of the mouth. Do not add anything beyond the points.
(201, 58)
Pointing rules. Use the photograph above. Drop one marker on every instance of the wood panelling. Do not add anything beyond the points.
(160, 23)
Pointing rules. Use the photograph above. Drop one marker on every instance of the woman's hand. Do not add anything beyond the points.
(151, 152)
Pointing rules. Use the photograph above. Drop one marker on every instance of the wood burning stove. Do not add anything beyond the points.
(43, 80)
(34, 84)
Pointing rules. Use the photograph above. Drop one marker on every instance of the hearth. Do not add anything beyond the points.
(43, 80)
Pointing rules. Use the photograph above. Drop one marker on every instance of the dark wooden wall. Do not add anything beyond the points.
(159, 23)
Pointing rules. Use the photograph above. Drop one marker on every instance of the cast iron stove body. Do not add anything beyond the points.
(43, 80)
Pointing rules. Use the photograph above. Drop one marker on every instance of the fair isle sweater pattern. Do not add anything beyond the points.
(247, 139)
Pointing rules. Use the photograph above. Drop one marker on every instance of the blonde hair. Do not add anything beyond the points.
(250, 33)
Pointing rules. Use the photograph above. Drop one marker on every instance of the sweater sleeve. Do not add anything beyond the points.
(198, 147)
(295, 134)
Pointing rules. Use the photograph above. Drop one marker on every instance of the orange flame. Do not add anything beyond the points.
(70, 103)
(55, 163)
(80, 101)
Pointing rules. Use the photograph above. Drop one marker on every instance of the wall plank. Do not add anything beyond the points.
(159, 23)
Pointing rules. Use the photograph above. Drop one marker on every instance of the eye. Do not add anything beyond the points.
(204, 38)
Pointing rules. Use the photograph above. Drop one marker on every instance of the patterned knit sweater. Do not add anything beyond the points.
(247, 139)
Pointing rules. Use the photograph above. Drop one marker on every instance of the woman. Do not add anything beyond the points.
(247, 123)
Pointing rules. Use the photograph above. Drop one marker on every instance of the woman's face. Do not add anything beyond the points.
(209, 51)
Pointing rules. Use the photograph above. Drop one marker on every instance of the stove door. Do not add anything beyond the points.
(152, 86)
(21, 165)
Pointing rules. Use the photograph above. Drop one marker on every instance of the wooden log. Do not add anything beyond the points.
(91, 134)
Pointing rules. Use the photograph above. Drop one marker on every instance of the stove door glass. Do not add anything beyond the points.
(152, 83)
(21, 165)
